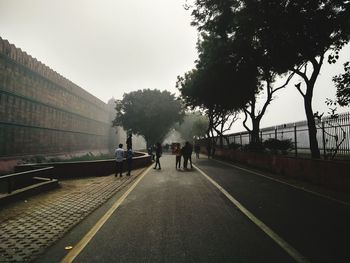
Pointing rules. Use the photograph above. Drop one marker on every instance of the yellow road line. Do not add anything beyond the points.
(282, 182)
(92, 232)
(283, 244)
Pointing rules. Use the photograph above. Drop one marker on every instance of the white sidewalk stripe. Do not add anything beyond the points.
(283, 244)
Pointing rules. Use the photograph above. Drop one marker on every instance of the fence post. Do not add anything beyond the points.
(295, 140)
(240, 137)
(323, 141)
(276, 133)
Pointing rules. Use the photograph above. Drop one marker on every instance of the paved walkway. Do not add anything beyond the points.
(29, 226)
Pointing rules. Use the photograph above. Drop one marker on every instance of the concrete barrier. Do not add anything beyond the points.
(330, 174)
(87, 168)
(12, 182)
(20, 185)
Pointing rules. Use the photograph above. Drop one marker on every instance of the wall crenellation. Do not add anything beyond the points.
(21, 57)
(41, 112)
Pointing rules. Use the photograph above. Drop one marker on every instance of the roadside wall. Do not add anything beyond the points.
(330, 174)
(42, 113)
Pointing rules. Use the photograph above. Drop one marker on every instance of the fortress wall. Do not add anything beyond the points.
(42, 112)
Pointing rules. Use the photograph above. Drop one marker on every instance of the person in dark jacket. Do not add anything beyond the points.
(177, 152)
(197, 149)
(186, 153)
(158, 155)
(129, 155)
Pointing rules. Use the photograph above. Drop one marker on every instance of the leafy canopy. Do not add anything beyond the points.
(221, 78)
(342, 83)
(193, 125)
(149, 113)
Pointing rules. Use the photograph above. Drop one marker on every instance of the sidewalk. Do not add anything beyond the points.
(29, 226)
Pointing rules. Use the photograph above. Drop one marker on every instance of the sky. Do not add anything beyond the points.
(112, 47)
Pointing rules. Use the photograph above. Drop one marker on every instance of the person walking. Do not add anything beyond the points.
(190, 150)
(197, 149)
(158, 155)
(119, 156)
(129, 155)
(186, 153)
(177, 152)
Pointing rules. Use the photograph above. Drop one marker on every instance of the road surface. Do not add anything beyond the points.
(216, 213)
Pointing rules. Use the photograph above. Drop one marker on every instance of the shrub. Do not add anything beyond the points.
(234, 146)
(275, 145)
(254, 147)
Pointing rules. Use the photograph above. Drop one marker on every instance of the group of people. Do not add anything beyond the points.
(184, 152)
(120, 154)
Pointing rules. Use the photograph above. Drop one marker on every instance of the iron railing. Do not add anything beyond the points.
(333, 134)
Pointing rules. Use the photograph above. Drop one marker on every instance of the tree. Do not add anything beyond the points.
(221, 79)
(241, 46)
(193, 125)
(296, 35)
(251, 110)
(149, 113)
(220, 85)
(342, 83)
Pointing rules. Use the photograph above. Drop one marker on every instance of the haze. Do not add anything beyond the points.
(113, 47)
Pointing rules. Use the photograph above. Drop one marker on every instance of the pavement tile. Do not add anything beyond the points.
(28, 227)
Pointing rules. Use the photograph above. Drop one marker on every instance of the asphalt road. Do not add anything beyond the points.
(315, 226)
(180, 216)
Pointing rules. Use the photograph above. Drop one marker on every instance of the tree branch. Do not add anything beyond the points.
(285, 84)
(245, 120)
(301, 74)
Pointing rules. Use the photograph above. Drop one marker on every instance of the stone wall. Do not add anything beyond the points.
(41, 112)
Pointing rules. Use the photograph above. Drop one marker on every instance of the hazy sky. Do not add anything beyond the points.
(109, 47)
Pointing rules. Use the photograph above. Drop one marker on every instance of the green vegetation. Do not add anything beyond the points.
(194, 125)
(246, 46)
(86, 157)
(149, 113)
(278, 146)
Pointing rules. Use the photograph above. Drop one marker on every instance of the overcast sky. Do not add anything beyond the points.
(112, 47)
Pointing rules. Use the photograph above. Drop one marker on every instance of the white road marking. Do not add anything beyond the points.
(282, 182)
(92, 232)
(283, 244)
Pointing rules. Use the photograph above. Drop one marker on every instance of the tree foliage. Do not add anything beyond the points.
(193, 125)
(221, 79)
(149, 113)
(342, 83)
(280, 36)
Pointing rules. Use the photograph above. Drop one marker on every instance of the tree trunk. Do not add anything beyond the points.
(255, 131)
(315, 151)
(221, 141)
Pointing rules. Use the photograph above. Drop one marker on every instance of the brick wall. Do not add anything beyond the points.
(41, 112)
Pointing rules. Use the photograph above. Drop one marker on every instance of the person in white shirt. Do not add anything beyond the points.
(119, 157)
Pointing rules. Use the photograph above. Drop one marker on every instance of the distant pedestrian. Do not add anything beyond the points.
(197, 149)
(119, 156)
(129, 141)
(158, 155)
(186, 153)
(190, 150)
(129, 156)
(177, 153)
(209, 149)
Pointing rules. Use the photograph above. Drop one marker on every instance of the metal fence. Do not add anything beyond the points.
(330, 133)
